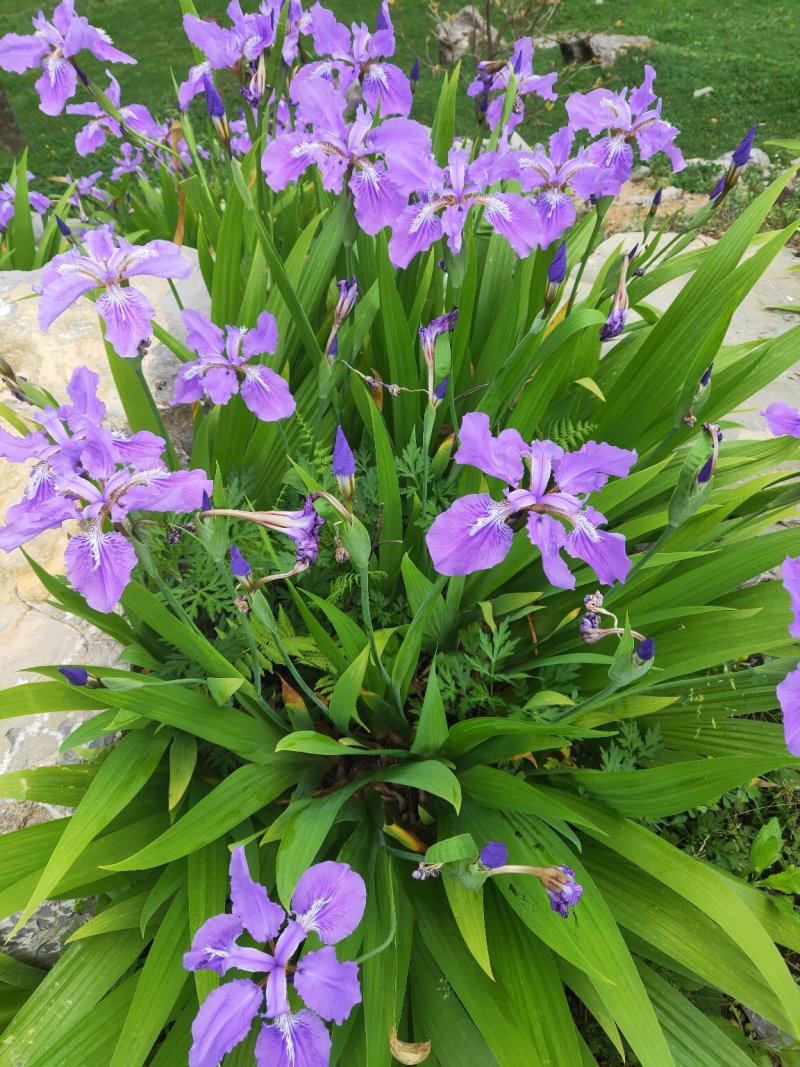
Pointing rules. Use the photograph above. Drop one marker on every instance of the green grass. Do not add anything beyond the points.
(742, 49)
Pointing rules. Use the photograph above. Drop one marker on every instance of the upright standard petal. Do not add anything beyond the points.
(202, 334)
(500, 457)
(591, 466)
(294, 1040)
(262, 338)
(224, 1020)
(100, 565)
(328, 987)
(472, 535)
(330, 899)
(158, 259)
(250, 901)
(789, 698)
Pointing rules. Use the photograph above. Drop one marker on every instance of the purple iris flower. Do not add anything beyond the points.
(88, 188)
(625, 118)
(82, 471)
(8, 191)
(240, 138)
(789, 698)
(357, 56)
(225, 367)
(298, 24)
(94, 133)
(129, 161)
(110, 261)
(494, 854)
(302, 527)
(53, 46)
(556, 177)
(329, 900)
(567, 896)
(475, 532)
(493, 77)
(244, 43)
(782, 420)
(348, 153)
(457, 188)
(791, 581)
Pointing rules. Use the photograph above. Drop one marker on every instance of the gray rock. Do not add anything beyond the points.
(462, 34)
(602, 48)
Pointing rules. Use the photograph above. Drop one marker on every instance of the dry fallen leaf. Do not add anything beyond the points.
(409, 1051)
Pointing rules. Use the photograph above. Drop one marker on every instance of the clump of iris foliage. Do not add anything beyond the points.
(449, 612)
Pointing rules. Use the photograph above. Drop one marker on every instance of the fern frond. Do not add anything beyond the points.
(569, 435)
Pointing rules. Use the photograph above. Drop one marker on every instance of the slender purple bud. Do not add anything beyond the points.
(75, 675)
(333, 347)
(657, 199)
(440, 391)
(216, 108)
(494, 854)
(557, 271)
(742, 153)
(414, 75)
(718, 189)
(348, 294)
(645, 650)
(239, 565)
(206, 505)
(81, 74)
(344, 467)
(344, 462)
(62, 226)
(708, 468)
(707, 376)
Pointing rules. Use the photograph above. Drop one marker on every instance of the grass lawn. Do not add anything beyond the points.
(743, 50)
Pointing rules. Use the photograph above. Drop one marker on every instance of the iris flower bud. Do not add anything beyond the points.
(239, 565)
(344, 468)
(556, 273)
